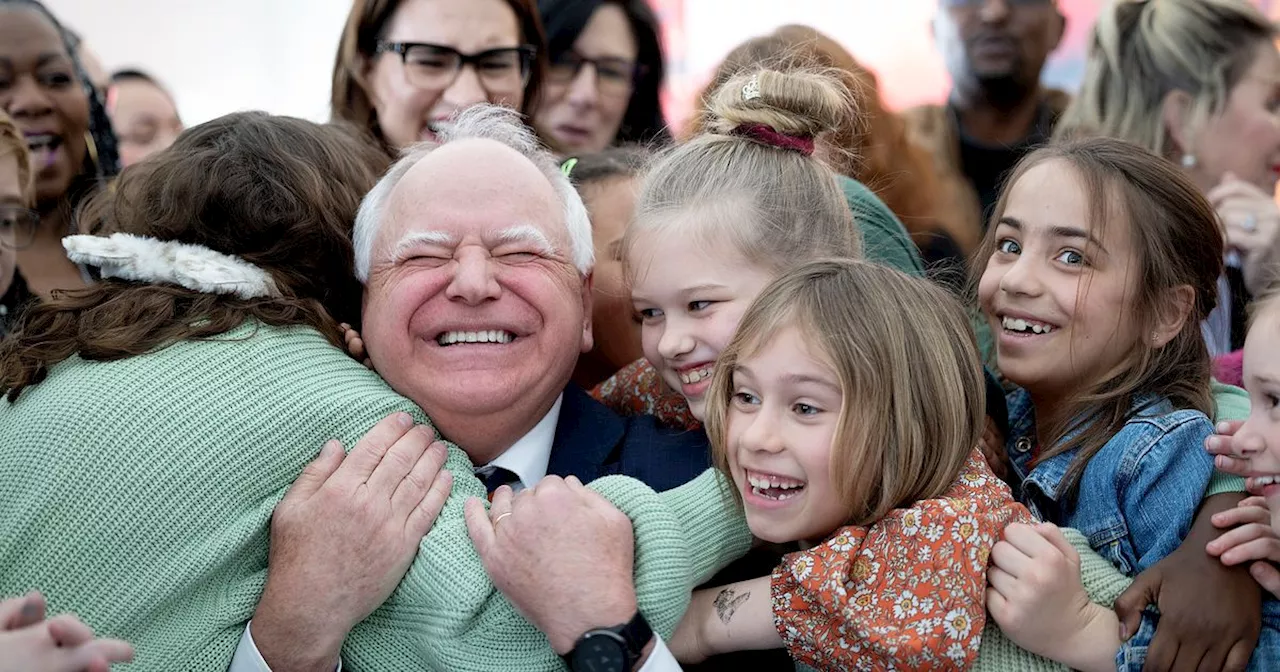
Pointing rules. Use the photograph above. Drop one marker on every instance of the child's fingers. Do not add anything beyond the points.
(1241, 515)
(1054, 535)
(998, 606)
(1234, 538)
(1028, 540)
(1228, 427)
(1267, 576)
(1231, 465)
(1008, 558)
(1002, 581)
(1263, 545)
(1255, 501)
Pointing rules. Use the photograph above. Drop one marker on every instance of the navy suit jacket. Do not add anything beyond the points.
(593, 441)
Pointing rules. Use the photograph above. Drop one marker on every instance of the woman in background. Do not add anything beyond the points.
(143, 113)
(1198, 82)
(62, 117)
(878, 152)
(406, 67)
(616, 100)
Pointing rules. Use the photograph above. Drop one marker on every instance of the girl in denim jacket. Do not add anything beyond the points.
(1100, 264)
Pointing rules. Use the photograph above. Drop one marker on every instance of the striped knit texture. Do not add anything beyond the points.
(137, 494)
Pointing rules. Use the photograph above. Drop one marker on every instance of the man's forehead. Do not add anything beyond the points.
(473, 171)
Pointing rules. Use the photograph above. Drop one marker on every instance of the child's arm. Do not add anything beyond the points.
(1038, 601)
(1253, 539)
(736, 617)
(1219, 633)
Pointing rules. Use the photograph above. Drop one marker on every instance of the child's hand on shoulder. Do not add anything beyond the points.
(1231, 452)
(355, 345)
(1037, 599)
(1253, 539)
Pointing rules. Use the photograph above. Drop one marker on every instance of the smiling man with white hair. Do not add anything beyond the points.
(476, 256)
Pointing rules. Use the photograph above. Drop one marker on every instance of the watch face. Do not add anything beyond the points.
(600, 653)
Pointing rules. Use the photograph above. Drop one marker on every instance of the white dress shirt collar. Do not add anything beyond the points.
(528, 458)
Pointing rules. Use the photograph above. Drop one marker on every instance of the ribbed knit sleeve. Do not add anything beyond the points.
(1101, 580)
(137, 493)
(446, 614)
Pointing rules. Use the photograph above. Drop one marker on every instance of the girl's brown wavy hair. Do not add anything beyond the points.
(1179, 246)
(278, 192)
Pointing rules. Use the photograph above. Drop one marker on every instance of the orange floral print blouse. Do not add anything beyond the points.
(908, 592)
(638, 390)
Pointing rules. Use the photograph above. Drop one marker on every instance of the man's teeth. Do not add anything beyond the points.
(451, 337)
(695, 376)
(1016, 324)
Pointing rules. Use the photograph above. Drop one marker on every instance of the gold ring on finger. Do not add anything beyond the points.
(499, 519)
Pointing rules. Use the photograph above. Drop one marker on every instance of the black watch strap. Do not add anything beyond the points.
(614, 649)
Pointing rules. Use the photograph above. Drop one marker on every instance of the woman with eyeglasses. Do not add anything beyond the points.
(64, 124)
(406, 67)
(606, 68)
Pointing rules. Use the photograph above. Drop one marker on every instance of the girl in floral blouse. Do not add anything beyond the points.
(846, 411)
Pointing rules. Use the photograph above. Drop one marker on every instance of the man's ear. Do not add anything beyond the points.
(588, 340)
(1175, 112)
(1173, 314)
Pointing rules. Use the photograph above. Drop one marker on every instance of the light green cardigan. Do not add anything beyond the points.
(137, 494)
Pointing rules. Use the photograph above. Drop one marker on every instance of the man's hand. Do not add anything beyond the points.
(1038, 601)
(1195, 633)
(561, 553)
(343, 537)
(28, 643)
(1251, 539)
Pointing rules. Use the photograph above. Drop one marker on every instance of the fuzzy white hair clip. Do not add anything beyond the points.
(145, 259)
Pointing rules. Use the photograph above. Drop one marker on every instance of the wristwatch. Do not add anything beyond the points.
(613, 649)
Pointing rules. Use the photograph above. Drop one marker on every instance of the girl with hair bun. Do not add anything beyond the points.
(719, 217)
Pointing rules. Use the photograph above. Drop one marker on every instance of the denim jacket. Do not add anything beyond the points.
(1137, 497)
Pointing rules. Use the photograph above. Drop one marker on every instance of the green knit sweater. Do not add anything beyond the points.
(137, 494)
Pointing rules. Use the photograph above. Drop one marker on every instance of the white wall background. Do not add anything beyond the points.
(223, 56)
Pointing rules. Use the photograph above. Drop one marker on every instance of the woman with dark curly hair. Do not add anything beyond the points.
(61, 115)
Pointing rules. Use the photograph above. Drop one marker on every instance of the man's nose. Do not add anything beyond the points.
(473, 281)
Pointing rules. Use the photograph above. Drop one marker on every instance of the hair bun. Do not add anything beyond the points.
(800, 104)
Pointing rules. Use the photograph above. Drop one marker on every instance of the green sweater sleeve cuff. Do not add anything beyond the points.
(683, 537)
(1103, 582)
(1222, 483)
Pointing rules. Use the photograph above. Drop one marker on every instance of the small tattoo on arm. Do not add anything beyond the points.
(728, 602)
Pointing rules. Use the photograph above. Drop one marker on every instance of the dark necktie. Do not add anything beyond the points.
(493, 476)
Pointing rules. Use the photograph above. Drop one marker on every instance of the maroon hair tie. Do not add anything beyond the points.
(764, 134)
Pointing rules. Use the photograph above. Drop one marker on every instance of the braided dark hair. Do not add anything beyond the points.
(102, 155)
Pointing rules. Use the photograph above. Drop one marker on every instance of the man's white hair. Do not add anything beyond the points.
(479, 122)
